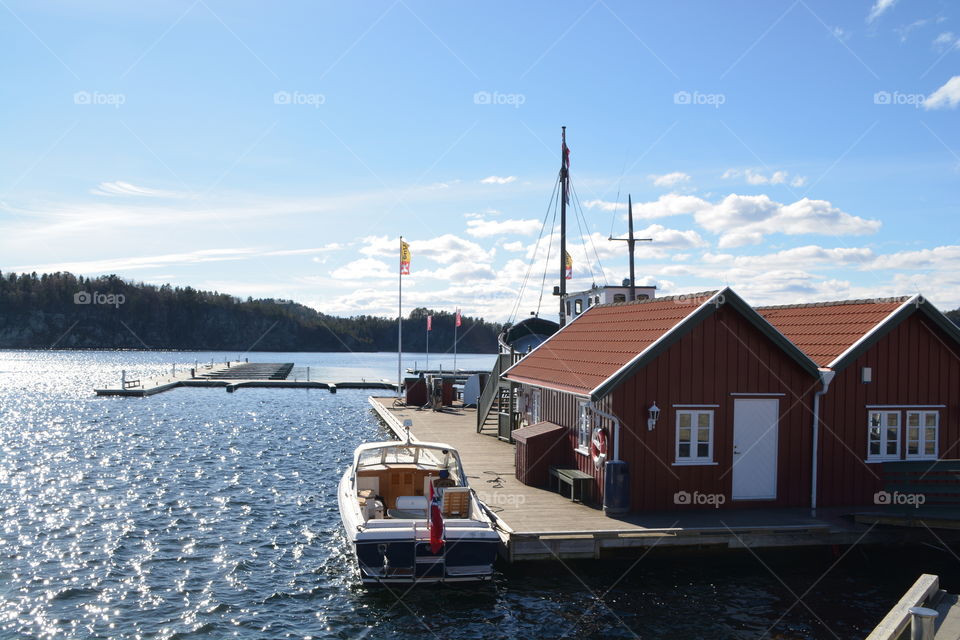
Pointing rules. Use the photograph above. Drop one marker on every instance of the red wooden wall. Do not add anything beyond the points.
(724, 354)
(913, 364)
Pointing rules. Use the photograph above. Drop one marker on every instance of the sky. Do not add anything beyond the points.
(796, 151)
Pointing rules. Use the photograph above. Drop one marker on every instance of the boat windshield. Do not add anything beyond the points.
(410, 454)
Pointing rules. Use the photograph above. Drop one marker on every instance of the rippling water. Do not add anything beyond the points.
(202, 514)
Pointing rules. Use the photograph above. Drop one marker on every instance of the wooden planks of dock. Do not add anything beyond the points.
(537, 524)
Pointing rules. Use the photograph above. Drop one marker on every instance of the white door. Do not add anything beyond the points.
(755, 449)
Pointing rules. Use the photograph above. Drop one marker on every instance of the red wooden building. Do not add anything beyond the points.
(895, 393)
(713, 403)
(706, 402)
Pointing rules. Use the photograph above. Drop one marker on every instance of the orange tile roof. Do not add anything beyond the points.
(825, 330)
(600, 342)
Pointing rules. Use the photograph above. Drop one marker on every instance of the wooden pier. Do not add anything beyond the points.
(232, 376)
(537, 524)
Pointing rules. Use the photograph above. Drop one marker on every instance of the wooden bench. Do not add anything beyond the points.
(578, 480)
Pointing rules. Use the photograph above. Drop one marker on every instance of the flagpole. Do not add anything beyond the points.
(428, 344)
(456, 324)
(400, 322)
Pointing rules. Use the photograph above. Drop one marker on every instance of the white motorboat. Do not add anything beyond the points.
(398, 534)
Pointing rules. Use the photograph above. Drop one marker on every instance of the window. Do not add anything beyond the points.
(922, 430)
(535, 406)
(883, 435)
(578, 306)
(694, 437)
(589, 301)
(568, 307)
(584, 429)
(619, 297)
(596, 300)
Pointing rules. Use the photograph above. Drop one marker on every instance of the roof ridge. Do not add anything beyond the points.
(685, 297)
(834, 303)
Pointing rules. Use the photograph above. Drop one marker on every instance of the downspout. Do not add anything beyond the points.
(616, 427)
(826, 376)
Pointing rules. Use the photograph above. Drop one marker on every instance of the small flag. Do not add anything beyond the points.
(569, 262)
(436, 521)
(404, 258)
(458, 317)
(429, 323)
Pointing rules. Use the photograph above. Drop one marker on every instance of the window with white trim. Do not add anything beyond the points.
(883, 435)
(923, 429)
(584, 429)
(694, 437)
(535, 406)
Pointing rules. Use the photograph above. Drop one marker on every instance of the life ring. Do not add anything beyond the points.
(598, 446)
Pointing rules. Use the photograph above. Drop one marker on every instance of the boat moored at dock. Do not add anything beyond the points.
(411, 516)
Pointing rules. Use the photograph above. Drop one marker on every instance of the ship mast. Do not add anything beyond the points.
(564, 180)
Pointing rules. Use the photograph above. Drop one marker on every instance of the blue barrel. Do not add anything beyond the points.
(616, 487)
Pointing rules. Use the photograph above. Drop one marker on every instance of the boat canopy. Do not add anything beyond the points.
(423, 454)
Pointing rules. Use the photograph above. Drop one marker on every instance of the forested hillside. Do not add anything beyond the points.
(64, 311)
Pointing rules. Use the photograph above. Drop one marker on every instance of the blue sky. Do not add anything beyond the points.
(796, 151)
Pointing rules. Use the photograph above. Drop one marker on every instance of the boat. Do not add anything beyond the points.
(389, 516)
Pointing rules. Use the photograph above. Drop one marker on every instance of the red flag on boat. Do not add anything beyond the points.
(436, 521)
(429, 323)
(458, 317)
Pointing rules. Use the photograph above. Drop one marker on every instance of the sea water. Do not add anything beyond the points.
(201, 514)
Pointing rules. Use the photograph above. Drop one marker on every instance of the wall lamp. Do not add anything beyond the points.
(654, 413)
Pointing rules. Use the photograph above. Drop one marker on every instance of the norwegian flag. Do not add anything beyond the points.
(429, 323)
(436, 521)
(458, 317)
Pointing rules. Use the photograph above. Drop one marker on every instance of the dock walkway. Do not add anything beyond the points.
(538, 524)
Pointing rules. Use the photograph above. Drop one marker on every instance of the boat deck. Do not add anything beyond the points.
(538, 524)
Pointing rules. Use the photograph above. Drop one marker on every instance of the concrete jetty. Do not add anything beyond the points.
(232, 376)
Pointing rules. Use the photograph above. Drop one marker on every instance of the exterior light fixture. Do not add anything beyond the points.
(654, 413)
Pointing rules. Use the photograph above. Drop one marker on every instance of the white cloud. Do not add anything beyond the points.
(946, 97)
(669, 179)
(499, 179)
(448, 249)
(879, 8)
(515, 246)
(120, 188)
(945, 258)
(757, 178)
(946, 40)
(364, 269)
(664, 238)
(905, 30)
(743, 220)
(117, 265)
(670, 204)
(479, 228)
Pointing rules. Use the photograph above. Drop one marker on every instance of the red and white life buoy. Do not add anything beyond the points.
(598, 446)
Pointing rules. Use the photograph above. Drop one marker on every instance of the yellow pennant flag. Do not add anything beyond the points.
(568, 260)
(404, 258)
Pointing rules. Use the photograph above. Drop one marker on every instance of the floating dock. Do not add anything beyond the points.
(537, 524)
(232, 376)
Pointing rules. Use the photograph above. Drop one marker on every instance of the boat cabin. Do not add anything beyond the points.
(393, 481)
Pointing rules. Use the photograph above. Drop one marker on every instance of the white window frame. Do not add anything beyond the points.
(921, 435)
(693, 459)
(535, 406)
(883, 437)
(584, 429)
